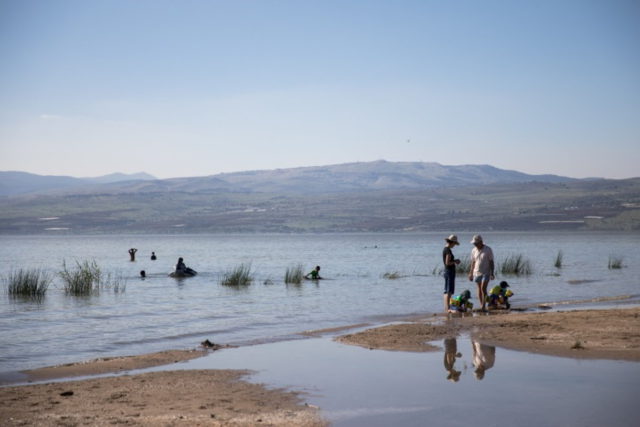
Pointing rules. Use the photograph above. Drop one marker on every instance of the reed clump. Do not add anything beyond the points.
(464, 266)
(294, 274)
(83, 279)
(516, 264)
(558, 262)
(115, 282)
(392, 275)
(615, 262)
(239, 276)
(28, 283)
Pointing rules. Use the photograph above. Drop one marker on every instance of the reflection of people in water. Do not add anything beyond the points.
(132, 253)
(484, 356)
(450, 355)
(153, 256)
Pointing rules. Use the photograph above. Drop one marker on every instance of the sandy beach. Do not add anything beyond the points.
(223, 397)
(597, 334)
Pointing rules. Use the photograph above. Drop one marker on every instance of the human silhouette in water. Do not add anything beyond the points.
(450, 355)
(153, 256)
(132, 253)
(484, 357)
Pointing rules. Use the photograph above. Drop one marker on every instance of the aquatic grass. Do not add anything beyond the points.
(393, 275)
(464, 266)
(239, 276)
(615, 262)
(516, 264)
(558, 262)
(31, 283)
(116, 282)
(294, 274)
(82, 280)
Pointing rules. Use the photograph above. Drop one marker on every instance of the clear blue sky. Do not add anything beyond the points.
(190, 88)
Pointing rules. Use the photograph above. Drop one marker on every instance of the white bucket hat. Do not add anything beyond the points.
(476, 239)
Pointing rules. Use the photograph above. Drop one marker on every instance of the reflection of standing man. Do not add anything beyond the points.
(450, 355)
(484, 357)
(482, 268)
(132, 253)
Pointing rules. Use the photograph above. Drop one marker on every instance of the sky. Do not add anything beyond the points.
(194, 88)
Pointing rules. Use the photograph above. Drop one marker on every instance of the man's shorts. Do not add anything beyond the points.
(482, 278)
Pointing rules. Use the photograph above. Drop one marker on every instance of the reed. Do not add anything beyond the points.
(115, 282)
(516, 264)
(392, 275)
(558, 263)
(82, 280)
(464, 266)
(294, 274)
(32, 283)
(239, 276)
(615, 262)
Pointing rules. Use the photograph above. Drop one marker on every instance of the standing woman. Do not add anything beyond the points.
(450, 263)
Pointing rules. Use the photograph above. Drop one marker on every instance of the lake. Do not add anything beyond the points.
(160, 312)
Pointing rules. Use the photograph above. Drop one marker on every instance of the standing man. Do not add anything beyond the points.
(450, 263)
(482, 268)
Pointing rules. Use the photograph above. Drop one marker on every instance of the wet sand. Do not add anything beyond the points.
(222, 397)
(113, 364)
(167, 398)
(595, 334)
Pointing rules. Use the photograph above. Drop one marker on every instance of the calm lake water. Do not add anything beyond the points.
(357, 387)
(161, 313)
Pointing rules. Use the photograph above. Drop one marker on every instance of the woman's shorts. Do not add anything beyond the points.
(449, 281)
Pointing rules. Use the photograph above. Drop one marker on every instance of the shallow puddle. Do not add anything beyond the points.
(468, 384)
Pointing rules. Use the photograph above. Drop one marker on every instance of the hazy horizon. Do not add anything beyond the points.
(293, 167)
(197, 88)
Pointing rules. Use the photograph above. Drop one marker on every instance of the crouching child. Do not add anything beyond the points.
(499, 296)
(460, 303)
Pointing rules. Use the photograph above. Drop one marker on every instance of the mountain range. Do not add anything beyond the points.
(14, 183)
(356, 197)
(379, 175)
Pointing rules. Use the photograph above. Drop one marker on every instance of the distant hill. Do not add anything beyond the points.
(15, 183)
(358, 197)
(378, 175)
(576, 205)
(120, 177)
(349, 177)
